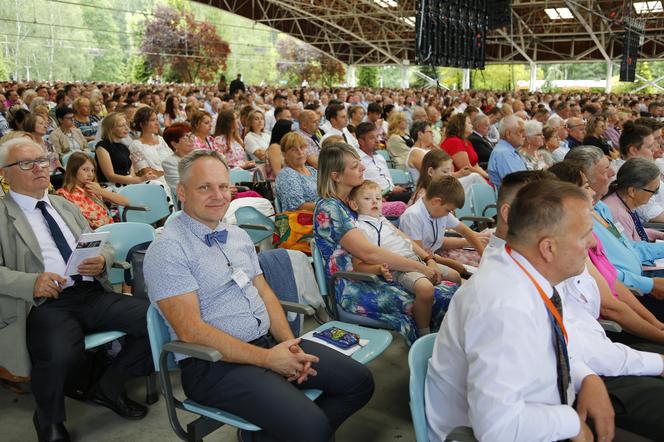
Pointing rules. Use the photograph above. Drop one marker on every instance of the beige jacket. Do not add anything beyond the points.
(60, 141)
(20, 264)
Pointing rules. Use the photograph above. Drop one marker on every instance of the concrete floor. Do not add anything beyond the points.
(385, 418)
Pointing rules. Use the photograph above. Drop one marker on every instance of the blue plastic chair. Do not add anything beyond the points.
(172, 216)
(65, 157)
(164, 362)
(418, 360)
(240, 176)
(484, 200)
(385, 154)
(277, 204)
(123, 237)
(327, 290)
(147, 203)
(401, 178)
(96, 339)
(258, 226)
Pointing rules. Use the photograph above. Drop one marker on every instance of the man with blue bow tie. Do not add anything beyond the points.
(204, 277)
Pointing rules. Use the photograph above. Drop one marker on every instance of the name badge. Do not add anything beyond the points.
(619, 227)
(240, 278)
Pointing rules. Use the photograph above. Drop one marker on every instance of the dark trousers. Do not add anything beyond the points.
(55, 336)
(399, 196)
(638, 402)
(268, 400)
(655, 306)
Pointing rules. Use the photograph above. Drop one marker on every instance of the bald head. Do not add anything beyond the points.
(309, 121)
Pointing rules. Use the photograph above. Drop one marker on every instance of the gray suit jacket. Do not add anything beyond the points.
(20, 264)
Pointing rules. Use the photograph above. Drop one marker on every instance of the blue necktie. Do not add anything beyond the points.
(219, 237)
(56, 232)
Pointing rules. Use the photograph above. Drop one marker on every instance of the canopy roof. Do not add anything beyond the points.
(380, 32)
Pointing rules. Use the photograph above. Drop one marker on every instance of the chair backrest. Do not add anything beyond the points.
(240, 176)
(159, 336)
(277, 204)
(250, 215)
(65, 159)
(123, 237)
(172, 216)
(92, 145)
(464, 211)
(319, 269)
(152, 196)
(483, 195)
(418, 360)
(401, 177)
(385, 154)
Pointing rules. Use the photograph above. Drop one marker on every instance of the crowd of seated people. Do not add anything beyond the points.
(330, 152)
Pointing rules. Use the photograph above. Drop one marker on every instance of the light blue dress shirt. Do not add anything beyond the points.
(504, 160)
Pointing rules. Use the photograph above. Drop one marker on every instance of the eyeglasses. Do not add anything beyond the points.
(576, 125)
(654, 192)
(29, 164)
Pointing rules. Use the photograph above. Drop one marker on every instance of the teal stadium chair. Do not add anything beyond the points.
(123, 237)
(277, 204)
(401, 178)
(484, 200)
(172, 216)
(418, 362)
(258, 226)
(385, 154)
(240, 176)
(148, 203)
(65, 158)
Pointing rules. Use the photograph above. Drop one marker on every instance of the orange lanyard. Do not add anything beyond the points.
(547, 301)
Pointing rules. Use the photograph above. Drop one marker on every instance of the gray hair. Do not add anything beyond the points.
(477, 120)
(185, 164)
(555, 122)
(533, 127)
(509, 122)
(586, 156)
(7, 146)
(636, 172)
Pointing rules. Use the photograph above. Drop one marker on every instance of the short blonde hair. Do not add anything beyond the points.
(330, 140)
(290, 140)
(393, 123)
(331, 159)
(366, 185)
(78, 102)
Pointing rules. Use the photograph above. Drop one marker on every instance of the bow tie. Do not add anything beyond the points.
(219, 237)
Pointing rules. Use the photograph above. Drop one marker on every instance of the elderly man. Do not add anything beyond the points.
(309, 122)
(500, 363)
(479, 138)
(626, 255)
(576, 129)
(504, 158)
(628, 371)
(205, 279)
(46, 314)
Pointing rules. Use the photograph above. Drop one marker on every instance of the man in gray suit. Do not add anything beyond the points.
(44, 316)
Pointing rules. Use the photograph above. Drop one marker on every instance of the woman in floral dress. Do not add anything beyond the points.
(338, 238)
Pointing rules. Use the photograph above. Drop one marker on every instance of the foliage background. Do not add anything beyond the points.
(101, 40)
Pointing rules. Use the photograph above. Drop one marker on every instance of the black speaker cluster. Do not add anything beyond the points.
(631, 44)
(451, 33)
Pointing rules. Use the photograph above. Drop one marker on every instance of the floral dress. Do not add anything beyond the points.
(386, 302)
(235, 156)
(92, 209)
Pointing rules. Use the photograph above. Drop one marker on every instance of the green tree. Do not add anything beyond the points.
(139, 70)
(299, 61)
(367, 76)
(109, 63)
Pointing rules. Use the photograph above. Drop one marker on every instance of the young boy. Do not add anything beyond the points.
(367, 201)
(426, 220)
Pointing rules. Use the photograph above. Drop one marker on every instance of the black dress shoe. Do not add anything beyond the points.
(123, 406)
(50, 433)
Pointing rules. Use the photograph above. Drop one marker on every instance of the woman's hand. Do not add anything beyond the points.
(463, 172)
(248, 165)
(94, 188)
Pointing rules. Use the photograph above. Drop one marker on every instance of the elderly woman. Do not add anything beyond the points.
(457, 145)
(67, 137)
(82, 119)
(529, 151)
(296, 183)
(339, 240)
(180, 139)
(595, 129)
(551, 144)
(398, 140)
(257, 140)
(228, 142)
(637, 181)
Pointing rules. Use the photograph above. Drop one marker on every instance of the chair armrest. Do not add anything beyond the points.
(610, 326)
(489, 206)
(295, 307)
(478, 219)
(356, 276)
(193, 350)
(124, 265)
(449, 234)
(242, 188)
(461, 434)
(635, 291)
(254, 227)
(656, 226)
(136, 208)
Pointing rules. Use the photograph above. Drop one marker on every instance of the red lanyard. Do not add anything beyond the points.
(547, 301)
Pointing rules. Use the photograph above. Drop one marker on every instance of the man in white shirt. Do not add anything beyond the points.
(376, 168)
(499, 363)
(337, 116)
(270, 120)
(618, 363)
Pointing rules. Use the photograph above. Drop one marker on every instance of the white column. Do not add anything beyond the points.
(533, 77)
(351, 80)
(465, 82)
(405, 84)
(609, 74)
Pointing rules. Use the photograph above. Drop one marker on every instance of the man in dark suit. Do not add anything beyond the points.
(237, 85)
(478, 138)
(44, 315)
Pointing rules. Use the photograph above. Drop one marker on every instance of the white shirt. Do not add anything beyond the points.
(270, 121)
(654, 207)
(254, 142)
(53, 260)
(587, 339)
(420, 226)
(350, 139)
(493, 366)
(376, 170)
(390, 239)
